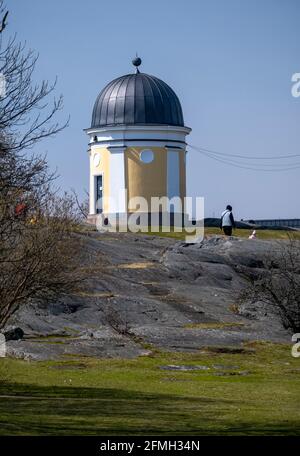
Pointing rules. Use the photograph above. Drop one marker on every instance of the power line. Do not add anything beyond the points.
(246, 157)
(222, 158)
(285, 167)
(292, 165)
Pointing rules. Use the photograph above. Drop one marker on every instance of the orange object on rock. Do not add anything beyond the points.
(20, 209)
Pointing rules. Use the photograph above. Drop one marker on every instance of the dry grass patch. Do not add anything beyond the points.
(214, 325)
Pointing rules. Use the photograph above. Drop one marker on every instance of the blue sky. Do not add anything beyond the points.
(230, 62)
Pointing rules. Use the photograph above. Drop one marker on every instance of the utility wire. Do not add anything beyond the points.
(285, 165)
(246, 157)
(226, 161)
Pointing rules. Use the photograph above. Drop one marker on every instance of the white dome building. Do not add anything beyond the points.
(137, 144)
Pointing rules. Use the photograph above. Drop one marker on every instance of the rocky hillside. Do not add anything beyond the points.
(149, 292)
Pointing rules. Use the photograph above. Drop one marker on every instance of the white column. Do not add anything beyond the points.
(92, 190)
(117, 180)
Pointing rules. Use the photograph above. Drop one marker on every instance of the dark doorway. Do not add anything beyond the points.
(99, 193)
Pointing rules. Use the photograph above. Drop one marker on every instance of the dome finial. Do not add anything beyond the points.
(136, 62)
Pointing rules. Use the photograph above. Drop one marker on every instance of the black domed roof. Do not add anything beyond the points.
(137, 99)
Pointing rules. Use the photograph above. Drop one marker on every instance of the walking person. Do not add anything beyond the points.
(227, 221)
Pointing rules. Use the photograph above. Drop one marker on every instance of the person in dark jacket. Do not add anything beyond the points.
(227, 221)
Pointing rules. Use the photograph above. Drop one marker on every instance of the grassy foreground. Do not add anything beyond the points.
(254, 390)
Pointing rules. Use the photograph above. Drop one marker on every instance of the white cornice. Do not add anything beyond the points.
(139, 128)
(138, 134)
(122, 145)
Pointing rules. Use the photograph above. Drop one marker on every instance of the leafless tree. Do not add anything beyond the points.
(82, 206)
(25, 112)
(41, 261)
(278, 283)
(38, 247)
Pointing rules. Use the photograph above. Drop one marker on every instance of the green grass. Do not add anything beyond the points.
(241, 232)
(211, 231)
(260, 234)
(85, 396)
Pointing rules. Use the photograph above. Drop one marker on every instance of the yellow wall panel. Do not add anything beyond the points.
(103, 168)
(146, 179)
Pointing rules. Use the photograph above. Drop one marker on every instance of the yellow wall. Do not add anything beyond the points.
(146, 179)
(141, 179)
(102, 168)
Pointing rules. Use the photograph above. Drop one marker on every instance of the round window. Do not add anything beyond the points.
(147, 156)
(96, 159)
